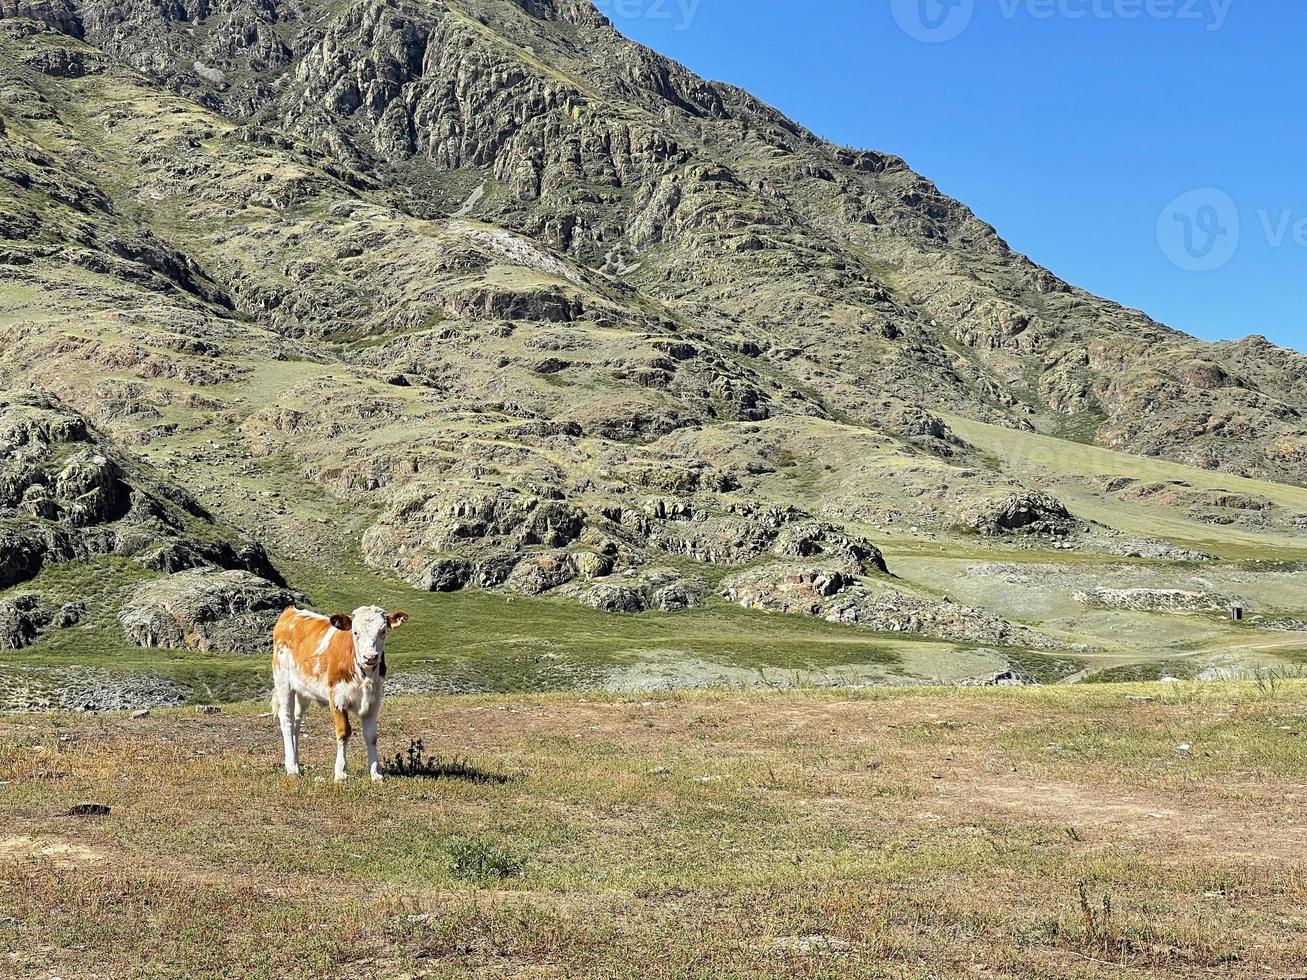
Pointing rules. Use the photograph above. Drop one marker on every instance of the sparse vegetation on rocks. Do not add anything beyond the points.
(479, 297)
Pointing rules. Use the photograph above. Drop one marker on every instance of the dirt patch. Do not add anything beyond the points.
(1162, 820)
(60, 852)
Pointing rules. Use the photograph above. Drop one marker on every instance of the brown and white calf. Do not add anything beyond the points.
(339, 661)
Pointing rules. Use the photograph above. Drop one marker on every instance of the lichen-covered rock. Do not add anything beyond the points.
(22, 618)
(67, 495)
(69, 614)
(658, 589)
(675, 596)
(787, 588)
(830, 594)
(538, 574)
(1028, 512)
(21, 555)
(592, 565)
(1154, 600)
(57, 15)
(820, 540)
(447, 539)
(207, 609)
(611, 598)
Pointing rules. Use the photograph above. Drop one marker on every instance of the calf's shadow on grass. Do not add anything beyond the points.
(414, 763)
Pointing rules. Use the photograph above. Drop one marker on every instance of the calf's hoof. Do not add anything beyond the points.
(378, 778)
(341, 777)
(294, 771)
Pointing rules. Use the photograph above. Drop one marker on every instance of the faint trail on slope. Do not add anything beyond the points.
(471, 202)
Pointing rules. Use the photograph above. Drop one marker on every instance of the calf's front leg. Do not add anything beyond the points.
(370, 739)
(341, 719)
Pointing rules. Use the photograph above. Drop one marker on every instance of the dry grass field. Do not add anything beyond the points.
(1103, 831)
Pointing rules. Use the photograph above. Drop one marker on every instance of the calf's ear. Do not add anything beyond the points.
(397, 619)
(342, 622)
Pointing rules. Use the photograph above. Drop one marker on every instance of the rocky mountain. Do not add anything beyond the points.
(504, 300)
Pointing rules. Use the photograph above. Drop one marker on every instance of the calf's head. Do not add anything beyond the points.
(370, 626)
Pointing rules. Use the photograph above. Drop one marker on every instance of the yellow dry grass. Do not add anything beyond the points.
(1084, 832)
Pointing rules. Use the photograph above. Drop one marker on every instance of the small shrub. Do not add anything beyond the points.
(1097, 925)
(481, 861)
(414, 763)
(1269, 680)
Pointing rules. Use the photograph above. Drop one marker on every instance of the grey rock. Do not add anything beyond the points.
(1030, 512)
(207, 609)
(66, 495)
(22, 618)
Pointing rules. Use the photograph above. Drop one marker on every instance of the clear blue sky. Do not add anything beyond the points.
(1072, 135)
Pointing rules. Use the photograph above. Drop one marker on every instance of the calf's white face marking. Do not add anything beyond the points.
(371, 627)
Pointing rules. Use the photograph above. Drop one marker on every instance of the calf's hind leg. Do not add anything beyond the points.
(341, 719)
(286, 715)
(301, 706)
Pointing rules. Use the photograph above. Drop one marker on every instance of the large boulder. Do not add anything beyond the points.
(1027, 511)
(540, 573)
(207, 609)
(22, 618)
(21, 556)
(610, 598)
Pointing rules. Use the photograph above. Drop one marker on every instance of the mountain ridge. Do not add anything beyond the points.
(510, 302)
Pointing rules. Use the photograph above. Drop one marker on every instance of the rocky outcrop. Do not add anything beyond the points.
(838, 598)
(1154, 600)
(1029, 512)
(811, 539)
(26, 616)
(22, 618)
(537, 574)
(207, 609)
(647, 590)
(66, 495)
(22, 554)
(57, 15)
(463, 536)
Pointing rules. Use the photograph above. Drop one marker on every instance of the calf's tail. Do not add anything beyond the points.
(274, 701)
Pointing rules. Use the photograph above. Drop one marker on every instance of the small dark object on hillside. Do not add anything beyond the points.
(414, 763)
(88, 810)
